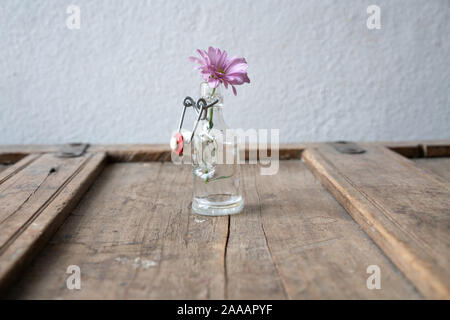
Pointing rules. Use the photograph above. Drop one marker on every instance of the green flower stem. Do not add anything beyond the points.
(210, 118)
(218, 178)
(211, 110)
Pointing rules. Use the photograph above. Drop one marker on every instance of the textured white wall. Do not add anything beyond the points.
(317, 72)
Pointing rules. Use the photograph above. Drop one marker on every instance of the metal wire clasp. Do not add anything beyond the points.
(201, 108)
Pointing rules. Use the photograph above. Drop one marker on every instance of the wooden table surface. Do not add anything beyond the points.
(122, 214)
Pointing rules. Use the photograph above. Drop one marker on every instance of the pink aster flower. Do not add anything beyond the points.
(217, 68)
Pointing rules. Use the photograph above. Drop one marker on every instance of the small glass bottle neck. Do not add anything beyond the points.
(211, 94)
(214, 115)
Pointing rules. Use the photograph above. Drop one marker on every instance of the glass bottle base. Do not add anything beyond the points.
(218, 205)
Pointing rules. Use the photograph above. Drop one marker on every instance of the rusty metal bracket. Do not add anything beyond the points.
(72, 150)
(347, 147)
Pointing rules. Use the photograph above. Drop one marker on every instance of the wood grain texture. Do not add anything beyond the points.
(250, 270)
(417, 149)
(436, 149)
(161, 152)
(438, 166)
(36, 195)
(18, 166)
(134, 152)
(402, 208)
(318, 251)
(12, 153)
(135, 236)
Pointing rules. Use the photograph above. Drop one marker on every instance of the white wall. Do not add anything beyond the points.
(317, 72)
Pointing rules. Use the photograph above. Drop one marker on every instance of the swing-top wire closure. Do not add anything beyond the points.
(201, 107)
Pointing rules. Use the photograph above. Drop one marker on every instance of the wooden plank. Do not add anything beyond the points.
(417, 149)
(161, 152)
(13, 169)
(127, 152)
(436, 149)
(402, 208)
(29, 148)
(12, 153)
(295, 241)
(36, 196)
(135, 236)
(250, 270)
(134, 152)
(438, 166)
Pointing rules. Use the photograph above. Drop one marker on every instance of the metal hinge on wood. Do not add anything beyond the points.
(72, 150)
(347, 147)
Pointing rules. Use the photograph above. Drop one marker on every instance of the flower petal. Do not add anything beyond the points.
(237, 65)
(196, 60)
(202, 53)
(212, 56)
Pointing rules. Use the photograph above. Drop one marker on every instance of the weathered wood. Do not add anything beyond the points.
(161, 152)
(417, 149)
(438, 166)
(436, 149)
(294, 232)
(36, 195)
(13, 169)
(250, 270)
(128, 152)
(134, 152)
(410, 152)
(135, 236)
(12, 153)
(402, 208)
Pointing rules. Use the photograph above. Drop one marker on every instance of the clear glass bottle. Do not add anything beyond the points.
(216, 171)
